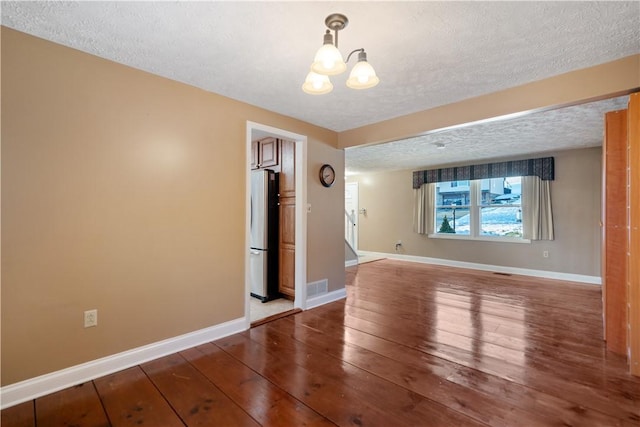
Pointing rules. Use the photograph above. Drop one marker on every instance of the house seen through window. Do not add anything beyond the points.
(479, 208)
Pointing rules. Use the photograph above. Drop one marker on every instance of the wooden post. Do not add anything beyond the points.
(634, 233)
(614, 274)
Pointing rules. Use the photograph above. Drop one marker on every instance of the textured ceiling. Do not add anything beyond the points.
(580, 126)
(426, 53)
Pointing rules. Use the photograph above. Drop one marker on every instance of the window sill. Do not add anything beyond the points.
(478, 238)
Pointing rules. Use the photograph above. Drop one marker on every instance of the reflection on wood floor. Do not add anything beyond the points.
(412, 344)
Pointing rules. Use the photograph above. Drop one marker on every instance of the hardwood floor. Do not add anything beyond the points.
(412, 344)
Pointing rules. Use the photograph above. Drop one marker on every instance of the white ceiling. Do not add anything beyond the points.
(426, 53)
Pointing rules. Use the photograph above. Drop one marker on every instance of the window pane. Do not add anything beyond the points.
(501, 221)
(453, 220)
(452, 207)
(452, 193)
(501, 191)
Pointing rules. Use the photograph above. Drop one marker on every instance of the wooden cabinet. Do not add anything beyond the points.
(268, 152)
(287, 241)
(264, 153)
(287, 247)
(287, 169)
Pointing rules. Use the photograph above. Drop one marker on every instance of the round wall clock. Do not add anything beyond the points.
(327, 175)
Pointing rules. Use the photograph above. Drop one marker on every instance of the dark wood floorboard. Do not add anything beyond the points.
(266, 403)
(74, 406)
(22, 415)
(192, 395)
(412, 345)
(131, 399)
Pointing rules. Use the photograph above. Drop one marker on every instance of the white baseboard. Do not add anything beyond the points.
(592, 280)
(326, 298)
(351, 263)
(23, 391)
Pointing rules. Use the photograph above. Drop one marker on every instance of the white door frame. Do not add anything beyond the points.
(300, 279)
(357, 212)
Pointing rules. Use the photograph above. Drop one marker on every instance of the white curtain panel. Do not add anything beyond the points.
(537, 217)
(423, 206)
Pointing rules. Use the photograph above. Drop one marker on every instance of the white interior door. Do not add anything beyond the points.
(351, 206)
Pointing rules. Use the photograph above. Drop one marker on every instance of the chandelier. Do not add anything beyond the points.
(328, 62)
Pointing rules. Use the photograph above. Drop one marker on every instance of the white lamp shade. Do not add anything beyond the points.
(317, 84)
(328, 61)
(362, 76)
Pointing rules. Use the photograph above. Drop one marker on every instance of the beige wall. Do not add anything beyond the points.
(125, 192)
(327, 233)
(388, 198)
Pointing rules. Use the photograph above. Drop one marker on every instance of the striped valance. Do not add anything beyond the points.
(542, 168)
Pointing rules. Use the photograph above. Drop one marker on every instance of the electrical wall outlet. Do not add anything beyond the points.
(545, 254)
(90, 318)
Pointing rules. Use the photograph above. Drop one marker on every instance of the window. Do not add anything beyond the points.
(479, 209)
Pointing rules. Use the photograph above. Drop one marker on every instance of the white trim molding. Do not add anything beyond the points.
(326, 298)
(23, 391)
(591, 280)
(351, 263)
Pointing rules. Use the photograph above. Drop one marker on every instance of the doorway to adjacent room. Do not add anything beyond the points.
(294, 297)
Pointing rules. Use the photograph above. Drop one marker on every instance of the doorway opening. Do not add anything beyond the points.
(257, 311)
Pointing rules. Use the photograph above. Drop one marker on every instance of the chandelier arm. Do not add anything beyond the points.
(357, 50)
